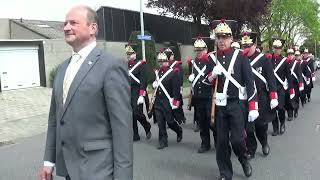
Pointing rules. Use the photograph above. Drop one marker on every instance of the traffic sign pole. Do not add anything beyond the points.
(142, 30)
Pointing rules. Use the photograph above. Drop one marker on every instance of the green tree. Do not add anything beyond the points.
(292, 20)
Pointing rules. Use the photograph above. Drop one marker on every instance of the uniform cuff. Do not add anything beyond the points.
(300, 84)
(252, 105)
(273, 95)
(175, 102)
(291, 91)
(142, 92)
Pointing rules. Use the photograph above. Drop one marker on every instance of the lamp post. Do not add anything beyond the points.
(142, 31)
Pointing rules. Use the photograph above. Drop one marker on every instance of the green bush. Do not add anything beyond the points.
(151, 53)
(52, 74)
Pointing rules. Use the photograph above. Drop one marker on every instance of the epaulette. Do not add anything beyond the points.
(268, 56)
(245, 52)
(179, 62)
(176, 70)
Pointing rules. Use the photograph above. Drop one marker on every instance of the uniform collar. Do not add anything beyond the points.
(254, 55)
(276, 56)
(164, 68)
(224, 52)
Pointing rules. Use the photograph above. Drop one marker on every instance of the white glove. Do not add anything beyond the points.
(308, 81)
(253, 115)
(274, 103)
(217, 70)
(191, 77)
(292, 96)
(155, 84)
(181, 90)
(140, 100)
(313, 79)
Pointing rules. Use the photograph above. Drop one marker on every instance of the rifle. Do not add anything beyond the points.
(190, 95)
(214, 92)
(153, 97)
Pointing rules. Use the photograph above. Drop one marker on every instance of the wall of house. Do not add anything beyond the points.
(5, 29)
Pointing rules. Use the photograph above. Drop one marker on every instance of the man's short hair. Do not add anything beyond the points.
(92, 15)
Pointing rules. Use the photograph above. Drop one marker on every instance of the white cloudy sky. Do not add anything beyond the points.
(56, 9)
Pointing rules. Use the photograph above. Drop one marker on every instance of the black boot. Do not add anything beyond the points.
(282, 128)
(136, 138)
(162, 145)
(266, 150)
(179, 136)
(295, 113)
(204, 149)
(275, 133)
(247, 169)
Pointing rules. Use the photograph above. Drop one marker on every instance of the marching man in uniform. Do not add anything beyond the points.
(282, 74)
(267, 93)
(232, 72)
(292, 103)
(202, 92)
(167, 95)
(138, 79)
(311, 78)
(178, 114)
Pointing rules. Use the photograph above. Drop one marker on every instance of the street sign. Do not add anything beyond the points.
(145, 37)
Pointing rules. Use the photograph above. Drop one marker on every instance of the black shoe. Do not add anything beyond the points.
(196, 128)
(203, 149)
(249, 156)
(289, 118)
(148, 134)
(282, 128)
(266, 150)
(295, 114)
(275, 133)
(162, 145)
(247, 169)
(184, 120)
(136, 138)
(179, 136)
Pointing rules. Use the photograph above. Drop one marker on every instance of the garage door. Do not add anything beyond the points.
(19, 67)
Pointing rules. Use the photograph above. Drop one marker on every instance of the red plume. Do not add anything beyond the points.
(161, 50)
(223, 20)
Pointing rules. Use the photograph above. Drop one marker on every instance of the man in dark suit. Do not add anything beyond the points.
(90, 120)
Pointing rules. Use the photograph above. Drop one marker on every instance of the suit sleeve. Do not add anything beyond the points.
(299, 73)
(288, 75)
(143, 79)
(117, 99)
(271, 79)
(249, 83)
(50, 149)
(175, 86)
